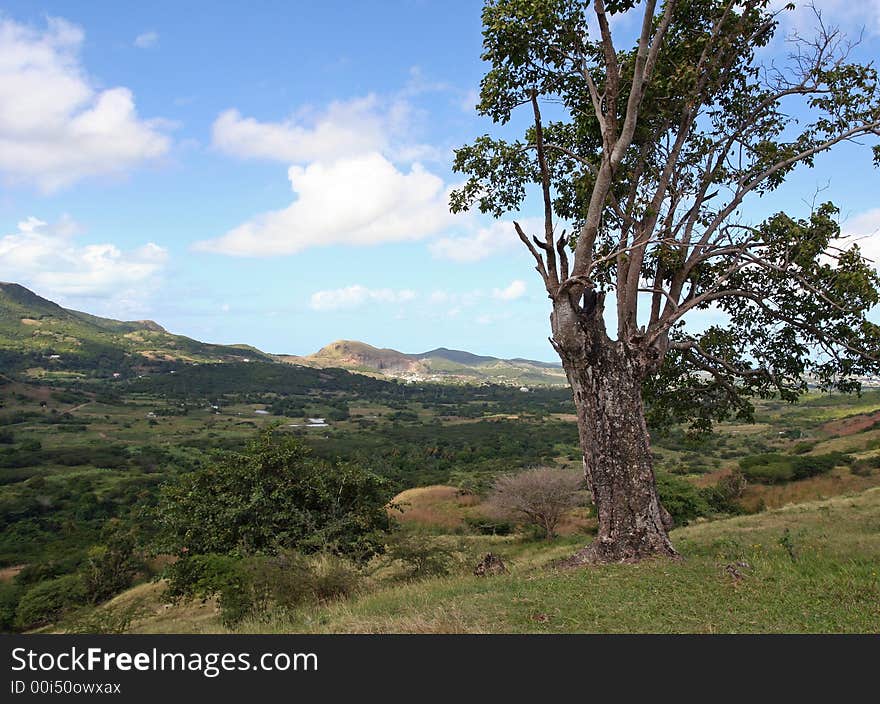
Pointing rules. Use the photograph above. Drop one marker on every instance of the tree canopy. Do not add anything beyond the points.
(643, 172)
(275, 495)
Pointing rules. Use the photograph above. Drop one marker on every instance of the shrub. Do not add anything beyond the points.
(776, 468)
(104, 620)
(111, 566)
(489, 526)
(10, 593)
(862, 468)
(723, 496)
(423, 556)
(539, 497)
(48, 601)
(249, 586)
(275, 496)
(813, 465)
(681, 498)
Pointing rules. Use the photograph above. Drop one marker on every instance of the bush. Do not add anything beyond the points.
(489, 526)
(111, 566)
(538, 497)
(249, 586)
(104, 620)
(275, 496)
(776, 468)
(723, 496)
(10, 593)
(422, 556)
(681, 498)
(49, 601)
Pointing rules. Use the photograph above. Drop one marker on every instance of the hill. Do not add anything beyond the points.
(38, 333)
(441, 364)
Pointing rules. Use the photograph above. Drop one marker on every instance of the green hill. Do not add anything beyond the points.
(35, 332)
(39, 335)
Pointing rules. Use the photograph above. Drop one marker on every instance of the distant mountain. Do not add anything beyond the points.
(457, 356)
(40, 335)
(441, 364)
(40, 331)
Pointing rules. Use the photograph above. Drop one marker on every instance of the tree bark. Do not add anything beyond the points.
(606, 381)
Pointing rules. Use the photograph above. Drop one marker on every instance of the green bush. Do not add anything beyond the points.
(250, 586)
(111, 566)
(421, 555)
(489, 526)
(681, 498)
(722, 498)
(275, 496)
(813, 465)
(48, 601)
(10, 594)
(776, 468)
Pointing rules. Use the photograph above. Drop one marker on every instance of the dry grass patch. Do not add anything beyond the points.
(839, 481)
(437, 506)
(156, 615)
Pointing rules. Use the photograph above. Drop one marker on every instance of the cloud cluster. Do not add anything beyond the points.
(355, 201)
(864, 230)
(516, 289)
(357, 181)
(55, 128)
(146, 40)
(344, 129)
(49, 259)
(479, 242)
(357, 296)
(843, 13)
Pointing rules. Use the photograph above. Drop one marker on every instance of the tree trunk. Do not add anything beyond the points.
(606, 381)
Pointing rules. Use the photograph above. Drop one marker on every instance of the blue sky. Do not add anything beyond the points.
(276, 173)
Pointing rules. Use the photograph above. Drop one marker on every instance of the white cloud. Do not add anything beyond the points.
(55, 127)
(48, 259)
(343, 129)
(864, 230)
(146, 40)
(516, 289)
(482, 242)
(847, 14)
(362, 200)
(357, 296)
(357, 175)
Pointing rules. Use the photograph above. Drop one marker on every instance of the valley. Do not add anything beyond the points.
(88, 440)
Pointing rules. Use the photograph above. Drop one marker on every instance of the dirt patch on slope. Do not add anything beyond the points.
(852, 425)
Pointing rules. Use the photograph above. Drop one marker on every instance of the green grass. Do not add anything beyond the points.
(832, 585)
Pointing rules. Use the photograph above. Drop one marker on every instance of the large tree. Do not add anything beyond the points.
(647, 160)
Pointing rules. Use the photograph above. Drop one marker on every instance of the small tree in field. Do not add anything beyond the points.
(539, 497)
(652, 153)
(271, 497)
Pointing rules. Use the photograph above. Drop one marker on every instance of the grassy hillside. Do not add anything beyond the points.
(46, 337)
(801, 569)
(50, 341)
